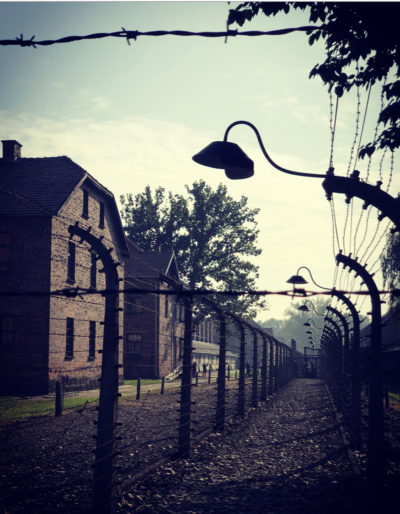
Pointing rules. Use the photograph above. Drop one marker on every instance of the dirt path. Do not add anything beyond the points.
(286, 458)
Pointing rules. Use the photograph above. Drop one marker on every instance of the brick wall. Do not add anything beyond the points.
(24, 353)
(160, 332)
(82, 370)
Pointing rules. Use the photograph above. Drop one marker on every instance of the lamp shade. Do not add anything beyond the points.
(296, 279)
(303, 308)
(227, 156)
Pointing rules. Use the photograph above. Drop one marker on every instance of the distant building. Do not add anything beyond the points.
(48, 338)
(153, 323)
(206, 345)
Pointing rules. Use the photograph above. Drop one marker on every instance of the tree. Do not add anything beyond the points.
(362, 44)
(210, 233)
(390, 260)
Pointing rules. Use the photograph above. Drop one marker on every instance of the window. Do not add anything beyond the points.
(93, 270)
(181, 311)
(85, 206)
(92, 340)
(166, 306)
(134, 344)
(7, 329)
(71, 261)
(134, 303)
(181, 343)
(4, 251)
(69, 346)
(101, 219)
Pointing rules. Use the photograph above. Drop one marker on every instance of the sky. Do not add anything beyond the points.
(133, 115)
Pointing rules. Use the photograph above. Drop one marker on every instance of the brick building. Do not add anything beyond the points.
(153, 323)
(45, 338)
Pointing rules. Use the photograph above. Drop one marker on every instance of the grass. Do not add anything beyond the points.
(142, 381)
(13, 408)
(395, 396)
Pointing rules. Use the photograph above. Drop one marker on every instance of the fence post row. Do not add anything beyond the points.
(220, 412)
(255, 370)
(186, 383)
(264, 369)
(242, 378)
(354, 367)
(104, 498)
(271, 367)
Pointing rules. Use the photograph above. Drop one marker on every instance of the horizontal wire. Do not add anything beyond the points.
(134, 34)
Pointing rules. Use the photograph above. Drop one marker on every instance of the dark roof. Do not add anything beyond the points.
(150, 263)
(41, 186)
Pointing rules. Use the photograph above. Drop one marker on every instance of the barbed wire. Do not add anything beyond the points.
(128, 35)
(81, 291)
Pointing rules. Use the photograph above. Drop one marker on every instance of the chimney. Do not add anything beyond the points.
(11, 150)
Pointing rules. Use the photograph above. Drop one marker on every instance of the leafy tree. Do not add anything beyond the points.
(390, 260)
(210, 233)
(355, 33)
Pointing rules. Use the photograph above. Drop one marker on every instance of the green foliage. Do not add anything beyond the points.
(390, 261)
(292, 326)
(355, 33)
(210, 233)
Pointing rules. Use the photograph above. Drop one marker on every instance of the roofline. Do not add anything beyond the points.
(122, 238)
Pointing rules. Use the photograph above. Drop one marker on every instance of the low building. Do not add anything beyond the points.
(153, 323)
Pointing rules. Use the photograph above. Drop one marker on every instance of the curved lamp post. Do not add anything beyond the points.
(237, 165)
(305, 308)
(231, 158)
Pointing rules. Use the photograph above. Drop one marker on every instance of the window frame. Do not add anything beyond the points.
(85, 204)
(102, 214)
(131, 347)
(93, 270)
(69, 338)
(71, 263)
(92, 340)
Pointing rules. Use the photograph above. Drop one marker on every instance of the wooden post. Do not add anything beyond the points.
(209, 373)
(59, 399)
(186, 385)
(162, 385)
(138, 388)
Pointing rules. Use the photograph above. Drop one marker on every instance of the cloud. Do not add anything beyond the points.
(100, 103)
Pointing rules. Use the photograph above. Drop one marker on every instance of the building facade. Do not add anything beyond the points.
(153, 323)
(46, 338)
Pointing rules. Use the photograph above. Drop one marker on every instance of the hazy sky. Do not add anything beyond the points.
(134, 115)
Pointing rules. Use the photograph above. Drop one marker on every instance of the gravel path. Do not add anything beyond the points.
(287, 457)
